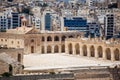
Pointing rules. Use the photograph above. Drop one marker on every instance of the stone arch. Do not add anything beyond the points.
(70, 49)
(108, 53)
(49, 49)
(43, 49)
(56, 49)
(77, 48)
(43, 38)
(100, 51)
(56, 38)
(49, 38)
(63, 38)
(63, 48)
(32, 49)
(32, 40)
(71, 36)
(92, 51)
(117, 54)
(84, 48)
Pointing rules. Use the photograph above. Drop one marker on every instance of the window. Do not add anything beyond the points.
(43, 39)
(12, 42)
(19, 57)
(1, 39)
(32, 40)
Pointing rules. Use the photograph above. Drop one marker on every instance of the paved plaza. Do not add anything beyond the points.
(56, 61)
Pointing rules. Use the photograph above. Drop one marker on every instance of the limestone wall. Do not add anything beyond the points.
(16, 54)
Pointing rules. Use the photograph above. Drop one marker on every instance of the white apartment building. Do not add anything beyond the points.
(37, 22)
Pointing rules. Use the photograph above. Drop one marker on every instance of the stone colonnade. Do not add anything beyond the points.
(93, 49)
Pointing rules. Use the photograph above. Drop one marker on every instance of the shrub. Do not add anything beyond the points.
(6, 74)
(52, 73)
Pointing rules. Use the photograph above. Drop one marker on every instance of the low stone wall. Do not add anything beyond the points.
(69, 76)
(98, 74)
(13, 53)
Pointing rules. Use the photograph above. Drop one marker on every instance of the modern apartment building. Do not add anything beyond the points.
(9, 20)
(109, 26)
(75, 23)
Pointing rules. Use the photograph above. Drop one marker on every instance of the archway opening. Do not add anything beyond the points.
(49, 38)
(92, 51)
(32, 49)
(71, 36)
(108, 54)
(56, 49)
(63, 48)
(77, 48)
(56, 38)
(117, 54)
(48, 49)
(100, 52)
(63, 38)
(43, 50)
(70, 48)
(19, 57)
(84, 48)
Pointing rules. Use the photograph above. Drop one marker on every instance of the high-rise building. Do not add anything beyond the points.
(109, 26)
(46, 21)
(3, 21)
(9, 20)
(94, 29)
(36, 21)
(15, 19)
(118, 3)
(75, 23)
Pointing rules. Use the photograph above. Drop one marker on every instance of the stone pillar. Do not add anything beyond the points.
(52, 39)
(45, 49)
(60, 49)
(66, 49)
(81, 51)
(96, 52)
(74, 50)
(112, 55)
(104, 54)
(40, 49)
(52, 48)
(60, 39)
(88, 51)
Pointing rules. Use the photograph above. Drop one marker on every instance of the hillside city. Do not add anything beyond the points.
(59, 39)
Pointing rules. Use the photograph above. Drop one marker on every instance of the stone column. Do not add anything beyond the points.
(104, 54)
(40, 49)
(74, 51)
(81, 51)
(88, 51)
(59, 48)
(45, 49)
(96, 53)
(60, 39)
(112, 55)
(66, 49)
(52, 48)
